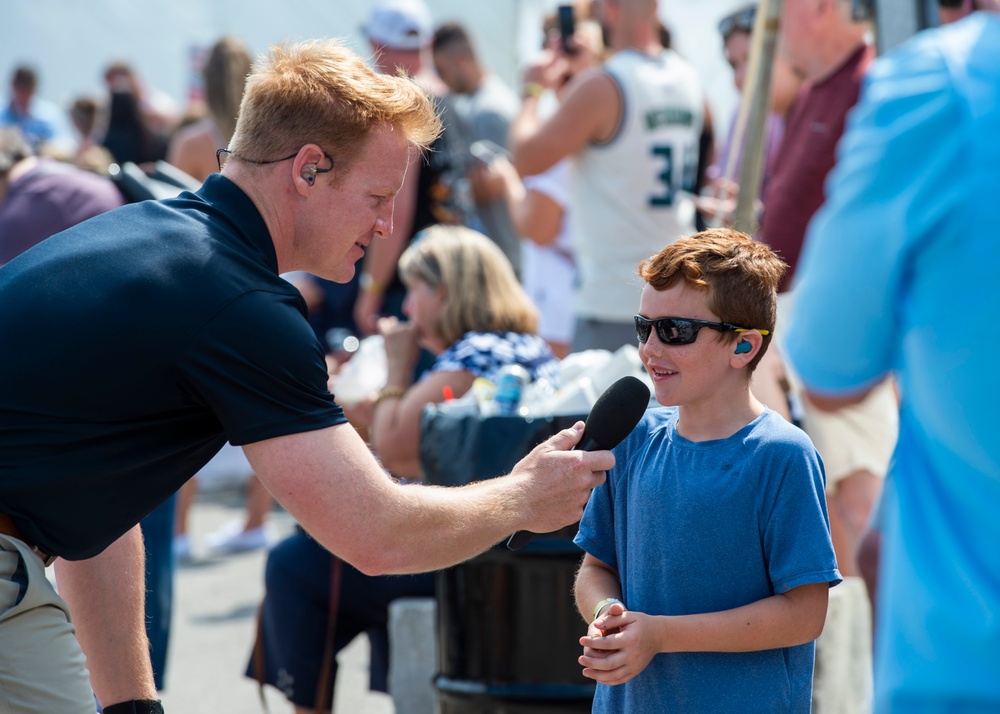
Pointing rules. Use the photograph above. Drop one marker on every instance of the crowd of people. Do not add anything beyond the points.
(473, 225)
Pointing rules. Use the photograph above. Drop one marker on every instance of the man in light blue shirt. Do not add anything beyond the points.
(41, 122)
(901, 273)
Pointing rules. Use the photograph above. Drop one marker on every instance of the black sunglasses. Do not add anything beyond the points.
(681, 330)
(741, 20)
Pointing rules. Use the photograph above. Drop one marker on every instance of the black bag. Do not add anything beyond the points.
(161, 181)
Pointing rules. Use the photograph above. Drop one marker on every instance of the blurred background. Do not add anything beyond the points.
(70, 43)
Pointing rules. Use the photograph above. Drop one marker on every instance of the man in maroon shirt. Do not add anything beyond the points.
(829, 49)
(825, 45)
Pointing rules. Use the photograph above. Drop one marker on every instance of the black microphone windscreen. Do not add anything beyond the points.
(616, 412)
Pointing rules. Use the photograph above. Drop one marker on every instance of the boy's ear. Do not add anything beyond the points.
(746, 349)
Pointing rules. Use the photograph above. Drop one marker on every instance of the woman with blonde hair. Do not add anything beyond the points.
(193, 147)
(466, 306)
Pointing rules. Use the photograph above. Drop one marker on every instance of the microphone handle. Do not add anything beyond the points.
(519, 540)
(522, 538)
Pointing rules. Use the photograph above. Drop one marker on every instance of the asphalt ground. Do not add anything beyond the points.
(214, 620)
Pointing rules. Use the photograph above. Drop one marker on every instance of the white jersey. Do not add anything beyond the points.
(632, 195)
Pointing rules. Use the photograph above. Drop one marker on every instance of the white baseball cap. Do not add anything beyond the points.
(400, 24)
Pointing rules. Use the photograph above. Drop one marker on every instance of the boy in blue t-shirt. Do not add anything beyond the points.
(708, 555)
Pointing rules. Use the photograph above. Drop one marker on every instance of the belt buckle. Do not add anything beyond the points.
(47, 559)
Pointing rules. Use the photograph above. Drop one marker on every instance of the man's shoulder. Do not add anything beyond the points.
(495, 96)
(57, 179)
(666, 63)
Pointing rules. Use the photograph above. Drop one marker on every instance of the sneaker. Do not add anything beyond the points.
(229, 540)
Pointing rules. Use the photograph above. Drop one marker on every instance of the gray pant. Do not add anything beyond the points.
(42, 668)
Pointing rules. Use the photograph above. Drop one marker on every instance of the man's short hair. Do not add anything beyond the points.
(320, 92)
(25, 78)
(740, 274)
(452, 36)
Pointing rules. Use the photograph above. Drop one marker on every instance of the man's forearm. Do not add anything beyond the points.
(330, 482)
(829, 403)
(522, 129)
(106, 598)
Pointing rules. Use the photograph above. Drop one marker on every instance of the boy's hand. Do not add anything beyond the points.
(618, 645)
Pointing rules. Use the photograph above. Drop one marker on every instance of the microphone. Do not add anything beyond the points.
(613, 417)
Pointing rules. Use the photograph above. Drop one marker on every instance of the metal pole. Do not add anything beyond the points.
(758, 94)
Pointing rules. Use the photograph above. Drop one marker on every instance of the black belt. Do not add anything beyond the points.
(8, 528)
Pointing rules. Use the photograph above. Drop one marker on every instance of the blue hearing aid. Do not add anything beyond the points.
(743, 347)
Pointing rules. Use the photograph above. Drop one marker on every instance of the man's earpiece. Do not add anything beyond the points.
(743, 347)
(309, 174)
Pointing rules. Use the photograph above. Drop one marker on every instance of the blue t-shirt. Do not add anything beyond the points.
(901, 273)
(484, 353)
(695, 527)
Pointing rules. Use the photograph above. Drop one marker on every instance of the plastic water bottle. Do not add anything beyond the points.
(510, 382)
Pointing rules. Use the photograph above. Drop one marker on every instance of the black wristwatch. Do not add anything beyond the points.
(136, 706)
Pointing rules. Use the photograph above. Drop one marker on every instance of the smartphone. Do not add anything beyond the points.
(486, 151)
(567, 26)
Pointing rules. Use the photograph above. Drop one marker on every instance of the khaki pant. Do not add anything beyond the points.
(860, 437)
(42, 669)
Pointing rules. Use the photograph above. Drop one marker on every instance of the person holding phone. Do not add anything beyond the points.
(539, 204)
(634, 170)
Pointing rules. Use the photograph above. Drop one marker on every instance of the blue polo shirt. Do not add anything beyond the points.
(900, 274)
(132, 346)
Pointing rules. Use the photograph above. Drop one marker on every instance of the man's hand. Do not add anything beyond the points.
(618, 645)
(549, 69)
(366, 311)
(558, 482)
(487, 184)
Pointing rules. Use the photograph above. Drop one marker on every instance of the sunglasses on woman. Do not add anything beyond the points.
(741, 20)
(681, 330)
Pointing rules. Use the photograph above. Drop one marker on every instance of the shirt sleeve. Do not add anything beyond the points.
(494, 127)
(796, 527)
(892, 188)
(258, 366)
(596, 532)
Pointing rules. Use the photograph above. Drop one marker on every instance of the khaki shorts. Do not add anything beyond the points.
(860, 437)
(42, 668)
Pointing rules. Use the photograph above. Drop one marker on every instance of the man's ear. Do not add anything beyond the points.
(307, 165)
